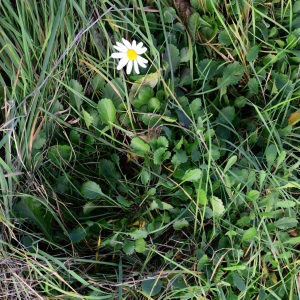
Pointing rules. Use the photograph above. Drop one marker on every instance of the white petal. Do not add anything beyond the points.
(127, 44)
(139, 46)
(118, 55)
(129, 67)
(133, 44)
(136, 67)
(120, 47)
(141, 51)
(122, 63)
(140, 62)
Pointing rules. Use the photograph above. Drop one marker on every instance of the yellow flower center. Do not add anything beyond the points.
(131, 54)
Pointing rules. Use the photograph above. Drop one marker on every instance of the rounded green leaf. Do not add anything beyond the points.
(249, 234)
(140, 147)
(91, 190)
(154, 104)
(140, 245)
(178, 225)
(107, 111)
(151, 287)
(224, 38)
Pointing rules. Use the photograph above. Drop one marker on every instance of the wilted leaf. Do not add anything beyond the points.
(294, 117)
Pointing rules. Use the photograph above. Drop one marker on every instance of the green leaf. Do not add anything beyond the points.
(283, 82)
(195, 106)
(240, 102)
(151, 287)
(34, 212)
(271, 154)
(107, 111)
(169, 14)
(178, 225)
(249, 234)
(179, 158)
(145, 177)
(140, 147)
(77, 235)
(253, 195)
(217, 206)
(286, 223)
(192, 175)
(293, 240)
(140, 246)
(226, 115)
(98, 82)
(296, 7)
(56, 153)
(202, 198)
(123, 201)
(87, 118)
(114, 90)
(285, 204)
(74, 137)
(253, 86)
(160, 155)
(40, 140)
(238, 281)
(149, 80)
(138, 234)
(232, 74)
(224, 38)
(172, 57)
(157, 204)
(203, 261)
(193, 24)
(232, 160)
(208, 68)
(185, 54)
(91, 190)
(75, 93)
(128, 247)
(158, 143)
(253, 53)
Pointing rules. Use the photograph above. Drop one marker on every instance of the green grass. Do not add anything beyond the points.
(105, 196)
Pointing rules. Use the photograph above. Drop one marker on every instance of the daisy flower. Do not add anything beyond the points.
(129, 55)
